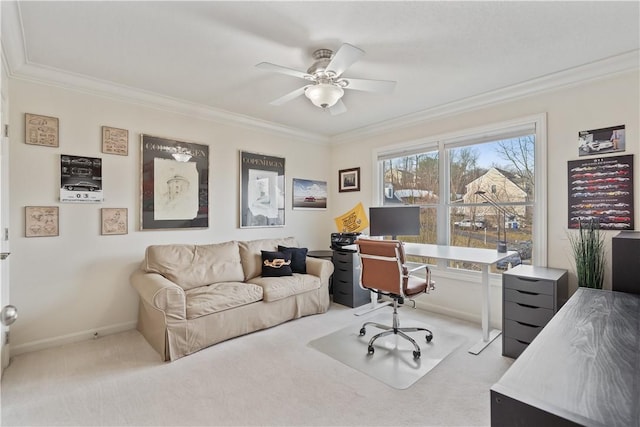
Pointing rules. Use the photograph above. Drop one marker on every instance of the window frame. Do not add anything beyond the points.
(537, 124)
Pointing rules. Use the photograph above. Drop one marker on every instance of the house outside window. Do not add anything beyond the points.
(472, 186)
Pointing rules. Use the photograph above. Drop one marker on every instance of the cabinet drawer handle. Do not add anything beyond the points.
(527, 305)
(526, 324)
(526, 293)
(528, 280)
(522, 342)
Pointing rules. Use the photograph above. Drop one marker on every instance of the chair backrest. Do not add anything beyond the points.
(382, 265)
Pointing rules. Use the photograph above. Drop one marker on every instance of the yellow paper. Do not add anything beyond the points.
(353, 221)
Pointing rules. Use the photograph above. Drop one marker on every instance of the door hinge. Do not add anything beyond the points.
(6, 233)
(6, 337)
(6, 131)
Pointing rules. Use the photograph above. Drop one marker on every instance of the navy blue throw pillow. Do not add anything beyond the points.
(276, 264)
(298, 258)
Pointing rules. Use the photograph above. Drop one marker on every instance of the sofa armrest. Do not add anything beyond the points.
(321, 268)
(160, 293)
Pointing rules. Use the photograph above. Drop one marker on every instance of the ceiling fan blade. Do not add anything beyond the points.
(284, 70)
(343, 58)
(291, 95)
(338, 108)
(380, 86)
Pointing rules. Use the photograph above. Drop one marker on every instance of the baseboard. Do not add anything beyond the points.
(71, 338)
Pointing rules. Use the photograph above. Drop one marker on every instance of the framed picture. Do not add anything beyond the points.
(349, 180)
(309, 194)
(114, 221)
(41, 130)
(601, 141)
(115, 141)
(41, 221)
(175, 184)
(262, 190)
(80, 179)
(601, 189)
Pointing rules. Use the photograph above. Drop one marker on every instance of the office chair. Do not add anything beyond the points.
(383, 271)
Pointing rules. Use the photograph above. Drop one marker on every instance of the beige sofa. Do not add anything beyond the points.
(193, 296)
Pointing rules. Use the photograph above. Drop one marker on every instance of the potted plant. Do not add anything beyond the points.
(589, 254)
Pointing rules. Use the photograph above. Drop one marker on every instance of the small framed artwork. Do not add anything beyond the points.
(601, 141)
(41, 130)
(41, 221)
(349, 180)
(115, 141)
(262, 191)
(309, 194)
(114, 221)
(175, 184)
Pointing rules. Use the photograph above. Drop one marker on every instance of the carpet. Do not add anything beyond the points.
(393, 362)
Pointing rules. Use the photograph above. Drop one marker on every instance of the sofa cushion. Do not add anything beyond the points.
(191, 266)
(276, 288)
(276, 264)
(219, 297)
(251, 255)
(298, 258)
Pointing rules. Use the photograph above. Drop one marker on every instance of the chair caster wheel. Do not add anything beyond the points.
(370, 350)
(362, 332)
(429, 338)
(416, 355)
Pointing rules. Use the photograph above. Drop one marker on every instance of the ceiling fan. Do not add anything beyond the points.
(327, 85)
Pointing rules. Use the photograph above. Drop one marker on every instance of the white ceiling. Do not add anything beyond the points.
(202, 55)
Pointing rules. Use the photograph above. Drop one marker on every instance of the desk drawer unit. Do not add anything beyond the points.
(346, 280)
(530, 298)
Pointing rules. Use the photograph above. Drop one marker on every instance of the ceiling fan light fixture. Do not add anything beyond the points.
(324, 95)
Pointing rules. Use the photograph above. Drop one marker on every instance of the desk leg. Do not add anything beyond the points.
(487, 335)
(373, 306)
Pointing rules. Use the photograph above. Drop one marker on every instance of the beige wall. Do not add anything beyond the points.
(69, 286)
(593, 105)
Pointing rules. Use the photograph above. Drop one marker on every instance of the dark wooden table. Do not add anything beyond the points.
(582, 369)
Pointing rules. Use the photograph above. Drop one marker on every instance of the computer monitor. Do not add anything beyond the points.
(394, 221)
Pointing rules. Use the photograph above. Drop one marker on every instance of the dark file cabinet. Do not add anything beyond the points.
(346, 280)
(530, 298)
(625, 262)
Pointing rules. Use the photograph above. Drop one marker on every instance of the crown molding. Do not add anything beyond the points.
(20, 68)
(619, 64)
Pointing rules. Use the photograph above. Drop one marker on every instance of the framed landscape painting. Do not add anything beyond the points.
(309, 194)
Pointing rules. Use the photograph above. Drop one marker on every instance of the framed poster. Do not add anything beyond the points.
(349, 180)
(175, 184)
(41, 221)
(80, 179)
(309, 194)
(41, 130)
(601, 141)
(114, 221)
(115, 141)
(602, 189)
(262, 190)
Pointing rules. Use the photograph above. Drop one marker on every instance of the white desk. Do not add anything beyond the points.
(484, 257)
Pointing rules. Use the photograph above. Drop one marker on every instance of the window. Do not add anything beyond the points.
(474, 188)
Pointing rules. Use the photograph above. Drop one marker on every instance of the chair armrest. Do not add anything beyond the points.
(414, 269)
(160, 293)
(321, 268)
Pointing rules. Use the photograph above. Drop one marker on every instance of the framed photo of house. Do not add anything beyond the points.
(262, 190)
(114, 221)
(174, 184)
(41, 221)
(349, 180)
(41, 130)
(309, 194)
(115, 141)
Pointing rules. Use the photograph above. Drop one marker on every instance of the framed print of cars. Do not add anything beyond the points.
(114, 221)
(80, 179)
(41, 130)
(41, 221)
